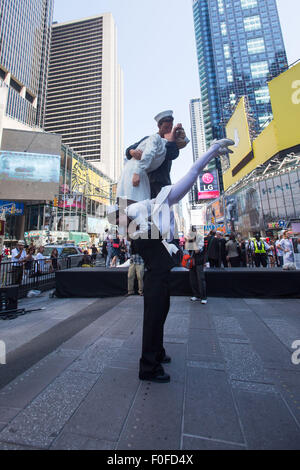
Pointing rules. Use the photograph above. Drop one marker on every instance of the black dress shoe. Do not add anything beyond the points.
(162, 378)
(166, 360)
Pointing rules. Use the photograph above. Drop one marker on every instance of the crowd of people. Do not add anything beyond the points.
(233, 251)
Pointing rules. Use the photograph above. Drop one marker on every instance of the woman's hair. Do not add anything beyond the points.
(232, 237)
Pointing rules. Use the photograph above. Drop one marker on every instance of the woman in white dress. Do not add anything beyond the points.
(134, 182)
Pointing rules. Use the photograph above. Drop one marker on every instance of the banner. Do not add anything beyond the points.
(209, 185)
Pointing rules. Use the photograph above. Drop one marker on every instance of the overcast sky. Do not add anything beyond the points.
(157, 52)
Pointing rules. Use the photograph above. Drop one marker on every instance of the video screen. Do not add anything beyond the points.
(28, 176)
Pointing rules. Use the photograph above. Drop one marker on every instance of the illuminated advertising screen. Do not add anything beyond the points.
(285, 99)
(237, 129)
(209, 185)
(28, 176)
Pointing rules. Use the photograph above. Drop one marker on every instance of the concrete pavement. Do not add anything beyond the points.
(233, 384)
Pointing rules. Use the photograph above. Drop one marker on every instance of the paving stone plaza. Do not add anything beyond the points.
(71, 377)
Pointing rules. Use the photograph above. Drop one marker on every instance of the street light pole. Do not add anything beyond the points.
(2, 231)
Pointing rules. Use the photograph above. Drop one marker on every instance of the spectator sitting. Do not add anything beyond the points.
(86, 261)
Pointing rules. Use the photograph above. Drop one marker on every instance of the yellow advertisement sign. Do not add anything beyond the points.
(89, 183)
(237, 129)
(285, 99)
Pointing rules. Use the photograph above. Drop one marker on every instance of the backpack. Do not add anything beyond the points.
(187, 262)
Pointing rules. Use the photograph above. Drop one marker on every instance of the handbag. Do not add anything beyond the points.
(187, 262)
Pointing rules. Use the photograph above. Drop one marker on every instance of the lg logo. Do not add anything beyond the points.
(296, 94)
(2, 353)
(296, 354)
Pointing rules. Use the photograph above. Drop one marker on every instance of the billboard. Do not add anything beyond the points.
(285, 99)
(28, 176)
(89, 183)
(237, 129)
(95, 225)
(11, 208)
(209, 185)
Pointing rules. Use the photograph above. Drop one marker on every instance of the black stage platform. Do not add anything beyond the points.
(239, 282)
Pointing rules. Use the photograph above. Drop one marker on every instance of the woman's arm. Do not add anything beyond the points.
(182, 187)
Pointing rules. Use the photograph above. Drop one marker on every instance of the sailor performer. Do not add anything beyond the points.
(147, 157)
(149, 223)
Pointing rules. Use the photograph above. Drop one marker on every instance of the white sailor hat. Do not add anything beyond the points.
(163, 115)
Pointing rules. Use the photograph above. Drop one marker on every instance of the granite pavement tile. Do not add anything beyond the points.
(209, 406)
(198, 443)
(21, 391)
(204, 344)
(155, 419)
(41, 421)
(69, 441)
(102, 413)
(266, 420)
(242, 363)
(97, 356)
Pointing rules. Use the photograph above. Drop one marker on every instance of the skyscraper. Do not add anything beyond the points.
(25, 36)
(239, 47)
(197, 128)
(85, 91)
(198, 140)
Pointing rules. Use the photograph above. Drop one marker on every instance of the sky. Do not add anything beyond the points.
(157, 52)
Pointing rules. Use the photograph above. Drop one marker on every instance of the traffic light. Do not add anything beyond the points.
(55, 202)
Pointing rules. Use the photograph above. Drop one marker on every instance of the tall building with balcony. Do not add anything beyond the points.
(25, 37)
(85, 91)
(239, 47)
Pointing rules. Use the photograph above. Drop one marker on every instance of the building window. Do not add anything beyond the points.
(226, 51)
(265, 120)
(262, 95)
(259, 69)
(248, 4)
(221, 6)
(256, 46)
(229, 74)
(223, 29)
(252, 22)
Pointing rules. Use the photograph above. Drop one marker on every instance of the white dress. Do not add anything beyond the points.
(154, 153)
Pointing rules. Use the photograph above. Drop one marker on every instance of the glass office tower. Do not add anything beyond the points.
(239, 47)
(25, 36)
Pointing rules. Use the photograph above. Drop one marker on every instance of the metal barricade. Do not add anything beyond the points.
(34, 274)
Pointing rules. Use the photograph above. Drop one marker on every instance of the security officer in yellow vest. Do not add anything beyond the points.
(259, 248)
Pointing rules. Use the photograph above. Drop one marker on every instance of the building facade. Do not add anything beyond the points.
(25, 37)
(85, 91)
(198, 139)
(239, 48)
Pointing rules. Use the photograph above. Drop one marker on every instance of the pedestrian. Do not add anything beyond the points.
(94, 253)
(259, 249)
(157, 255)
(40, 261)
(29, 264)
(159, 177)
(222, 242)
(244, 249)
(136, 269)
(108, 240)
(286, 245)
(54, 266)
(279, 251)
(196, 272)
(233, 254)
(18, 256)
(115, 250)
(213, 250)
